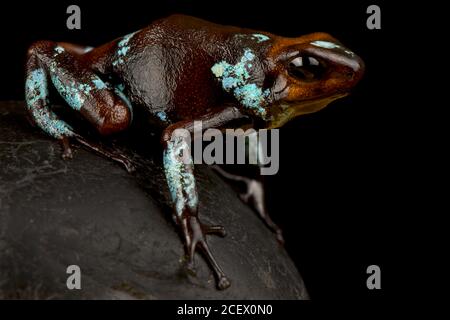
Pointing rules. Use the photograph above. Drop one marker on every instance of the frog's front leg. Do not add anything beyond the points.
(179, 169)
(61, 64)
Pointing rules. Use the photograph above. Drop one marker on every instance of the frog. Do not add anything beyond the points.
(178, 70)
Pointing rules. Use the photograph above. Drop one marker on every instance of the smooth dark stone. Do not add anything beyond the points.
(117, 227)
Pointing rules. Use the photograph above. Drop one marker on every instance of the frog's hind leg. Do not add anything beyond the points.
(104, 107)
(255, 198)
(113, 155)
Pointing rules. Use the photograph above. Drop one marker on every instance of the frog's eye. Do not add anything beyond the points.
(306, 68)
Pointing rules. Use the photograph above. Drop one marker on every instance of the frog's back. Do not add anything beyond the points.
(165, 67)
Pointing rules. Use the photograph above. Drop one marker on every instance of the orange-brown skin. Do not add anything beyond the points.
(181, 69)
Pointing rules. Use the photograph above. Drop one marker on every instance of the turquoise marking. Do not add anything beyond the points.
(98, 83)
(218, 69)
(162, 115)
(260, 37)
(125, 39)
(122, 49)
(58, 50)
(170, 166)
(331, 45)
(236, 79)
(36, 94)
(251, 96)
(71, 93)
(248, 55)
(179, 176)
(85, 88)
(75, 93)
(229, 82)
(189, 188)
(325, 44)
(36, 87)
(125, 99)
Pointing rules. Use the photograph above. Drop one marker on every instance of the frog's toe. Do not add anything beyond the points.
(223, 283)
(190, 267)
(67, 154)
(279, 236)
(67, 150)
(195, 238)
(216, 229)
(126, 162)
(222, 280)
(114, 155)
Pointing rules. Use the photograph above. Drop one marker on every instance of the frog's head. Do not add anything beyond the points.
(307, 73)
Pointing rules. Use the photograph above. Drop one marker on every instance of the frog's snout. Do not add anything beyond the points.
(352, 68)
(341, 66)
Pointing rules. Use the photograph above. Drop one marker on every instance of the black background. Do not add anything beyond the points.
(336, 192)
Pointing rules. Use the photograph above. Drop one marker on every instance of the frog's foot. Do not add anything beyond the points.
(112, 155)
(194, 233)
(254, 196)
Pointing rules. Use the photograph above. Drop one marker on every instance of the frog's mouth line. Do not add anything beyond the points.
(284, 112)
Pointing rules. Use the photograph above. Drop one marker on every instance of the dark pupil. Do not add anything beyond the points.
(306, 68)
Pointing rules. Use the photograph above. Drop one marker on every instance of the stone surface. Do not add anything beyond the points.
(117, 227)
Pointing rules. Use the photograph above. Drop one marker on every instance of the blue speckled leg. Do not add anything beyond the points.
(105, 107)
(181, 181)
(37, 98)
(179, 169)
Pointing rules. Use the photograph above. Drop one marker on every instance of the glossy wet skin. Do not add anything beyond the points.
(173, 79)
(182, 69)
(312, 71)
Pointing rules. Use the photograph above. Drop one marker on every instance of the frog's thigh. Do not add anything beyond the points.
(37, 95)
(105, 107)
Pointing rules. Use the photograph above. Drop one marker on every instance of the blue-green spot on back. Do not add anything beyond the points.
(236, 79)
(122, 49)
(258, 37)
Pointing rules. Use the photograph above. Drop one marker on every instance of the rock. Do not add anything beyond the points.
(117, 226)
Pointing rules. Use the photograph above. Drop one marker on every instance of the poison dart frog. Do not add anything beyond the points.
(181, 69)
